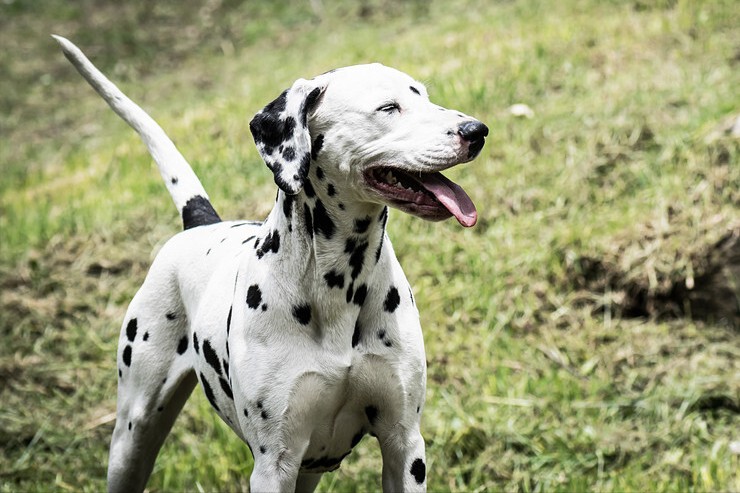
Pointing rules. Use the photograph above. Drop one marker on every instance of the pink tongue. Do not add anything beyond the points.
(452, 196)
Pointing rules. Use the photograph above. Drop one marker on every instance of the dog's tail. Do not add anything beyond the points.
(188, 193)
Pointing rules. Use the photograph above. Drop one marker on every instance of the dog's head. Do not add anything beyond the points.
(372, 126)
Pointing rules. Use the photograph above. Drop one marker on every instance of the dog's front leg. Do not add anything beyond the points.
(404, 460)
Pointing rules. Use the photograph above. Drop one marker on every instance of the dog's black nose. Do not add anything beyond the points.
(472, 131)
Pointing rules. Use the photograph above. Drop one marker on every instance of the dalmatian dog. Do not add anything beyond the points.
(301, 329)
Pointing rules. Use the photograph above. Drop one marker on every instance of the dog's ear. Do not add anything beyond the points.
(281, 133)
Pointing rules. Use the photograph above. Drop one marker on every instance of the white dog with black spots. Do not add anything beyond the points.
(302, 329)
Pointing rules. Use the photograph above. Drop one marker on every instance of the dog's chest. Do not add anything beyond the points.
(285, 390)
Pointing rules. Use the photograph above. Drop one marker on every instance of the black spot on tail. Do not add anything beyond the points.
(198, 211)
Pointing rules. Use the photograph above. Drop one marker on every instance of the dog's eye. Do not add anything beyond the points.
(389, 107)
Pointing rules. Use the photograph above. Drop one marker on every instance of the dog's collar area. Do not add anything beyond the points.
(430, 196)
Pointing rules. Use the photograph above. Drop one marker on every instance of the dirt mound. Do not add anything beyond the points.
(662, 276)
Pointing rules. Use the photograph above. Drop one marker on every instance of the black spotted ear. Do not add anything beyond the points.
(280, 131)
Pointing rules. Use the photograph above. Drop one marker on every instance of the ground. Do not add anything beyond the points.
(583, 336)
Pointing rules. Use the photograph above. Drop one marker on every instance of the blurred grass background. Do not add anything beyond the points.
(583, 336)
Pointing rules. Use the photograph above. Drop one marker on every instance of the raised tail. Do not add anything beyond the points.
(184, 186)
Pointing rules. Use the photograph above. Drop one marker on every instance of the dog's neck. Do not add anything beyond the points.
(334, 241)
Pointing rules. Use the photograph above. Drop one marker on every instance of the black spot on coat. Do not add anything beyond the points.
(208, 391)
(356, 334)
(350, 292)
(322, 223)
(302, 313)
(131, 330)
(182, 346)
(360, 294)
(226, 388)
(195, 343)
(361, 225)
(308, 188)
(288, 153)
(383, 220)
(357, 258)
(211, 357)
(392, 300)
(198, 211)
(254, 296)
(288, 205)
(271, 244)
(127, 356)
(318, 143)
(334, 279)
(419, 471)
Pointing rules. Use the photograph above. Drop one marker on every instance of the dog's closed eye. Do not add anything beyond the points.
(389, 107)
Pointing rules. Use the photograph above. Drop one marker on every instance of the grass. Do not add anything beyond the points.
(583, 336)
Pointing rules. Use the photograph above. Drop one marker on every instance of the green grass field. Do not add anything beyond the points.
(584, 336)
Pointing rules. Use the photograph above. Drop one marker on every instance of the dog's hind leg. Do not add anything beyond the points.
(155, 379)
(404, 467)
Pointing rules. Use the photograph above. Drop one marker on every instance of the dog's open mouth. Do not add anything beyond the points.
(430, 196)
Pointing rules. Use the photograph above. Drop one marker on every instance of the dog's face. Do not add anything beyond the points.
(377, 130)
